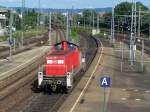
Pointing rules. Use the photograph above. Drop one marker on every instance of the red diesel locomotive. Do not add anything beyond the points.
(61, 66)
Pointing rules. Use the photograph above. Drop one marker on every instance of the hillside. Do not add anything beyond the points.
(46, 10)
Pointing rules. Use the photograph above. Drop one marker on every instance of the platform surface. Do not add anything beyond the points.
(129, 92)
(20, 60)
(4, 44)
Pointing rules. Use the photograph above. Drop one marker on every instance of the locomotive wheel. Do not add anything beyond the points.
(35, 87)
(47, 88)
(64, 89)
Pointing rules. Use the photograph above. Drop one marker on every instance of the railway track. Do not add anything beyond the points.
(18, 90)
(126, 39)
(47, 101)
(18, 87)
(50, 102)
(28, 44)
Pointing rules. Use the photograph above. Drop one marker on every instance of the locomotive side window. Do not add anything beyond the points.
(59, 47)
(71, 46)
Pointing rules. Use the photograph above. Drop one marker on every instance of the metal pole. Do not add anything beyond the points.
(67, 30)
(149, 31)
(38, 17)
(69, 26)
(22, 37)
(122, 53)
(23, 22)
(111, 31)
(50, 28)
(118, 25)
(104, 100)
(89, 22)
(139, 23)
(131, 38)
(142, 56)
(112, 26)
(93, 22)
(135, 30)
(97, 23)
(14, 44)
(135, 20)
(10, 35)
(71, 17)
(84, 23)
(39, 13)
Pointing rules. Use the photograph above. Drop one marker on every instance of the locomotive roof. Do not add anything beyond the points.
(67, 43)
(60, 52)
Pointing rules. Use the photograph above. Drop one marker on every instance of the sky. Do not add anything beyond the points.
(67, 3)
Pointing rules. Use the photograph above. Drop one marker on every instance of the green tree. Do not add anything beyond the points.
(30, 18)
(88, 15)
(126, 8)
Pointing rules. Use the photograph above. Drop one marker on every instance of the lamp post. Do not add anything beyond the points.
(67, 30)
(22, 22)
(112, 26)
(50, 20)
(10, 35)
(38, 17)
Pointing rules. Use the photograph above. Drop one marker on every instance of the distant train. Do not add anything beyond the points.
(62, 64)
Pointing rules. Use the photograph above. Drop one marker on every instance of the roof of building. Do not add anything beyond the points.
(3, 10)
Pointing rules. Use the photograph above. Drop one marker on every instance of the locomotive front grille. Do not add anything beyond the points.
(54, 79)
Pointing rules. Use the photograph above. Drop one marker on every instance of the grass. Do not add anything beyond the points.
(75, 35)
(102, 35)
(82, 29)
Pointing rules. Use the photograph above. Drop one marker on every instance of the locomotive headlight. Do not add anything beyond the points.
(60, 61)
(49, 61)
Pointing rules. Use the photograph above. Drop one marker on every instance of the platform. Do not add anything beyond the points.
(20, 60)
(4, 44)
(130, 91)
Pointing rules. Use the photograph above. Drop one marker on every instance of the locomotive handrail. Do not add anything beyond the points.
(67, 42)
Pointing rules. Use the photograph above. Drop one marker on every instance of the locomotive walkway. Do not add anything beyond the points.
(129, 92)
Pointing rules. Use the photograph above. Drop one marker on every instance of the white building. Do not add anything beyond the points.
(3, 20)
